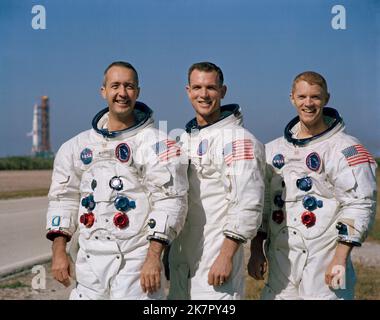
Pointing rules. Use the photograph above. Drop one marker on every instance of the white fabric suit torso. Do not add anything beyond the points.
(226, 193)
(341, 190)
(140, 164)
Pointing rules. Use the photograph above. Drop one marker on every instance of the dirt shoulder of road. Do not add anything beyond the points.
(24, 183)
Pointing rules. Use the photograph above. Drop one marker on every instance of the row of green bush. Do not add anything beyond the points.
(26, 163)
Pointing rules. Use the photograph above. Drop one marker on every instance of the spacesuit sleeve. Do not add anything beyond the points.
(355, 190)
(167, 185)
(63, 195)
(267, 200)
(244, 165)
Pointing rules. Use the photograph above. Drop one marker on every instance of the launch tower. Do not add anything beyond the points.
(41, 130)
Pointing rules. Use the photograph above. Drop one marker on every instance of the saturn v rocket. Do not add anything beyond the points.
(35, 131)
(41, 130)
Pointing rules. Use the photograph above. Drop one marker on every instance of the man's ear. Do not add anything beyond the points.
(292, 99)
(188, 90)
(224, 90)
(103, 92)
(327, 98)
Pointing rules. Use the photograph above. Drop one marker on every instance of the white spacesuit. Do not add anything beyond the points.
(318, 191)
(226, 196)
(121, 188)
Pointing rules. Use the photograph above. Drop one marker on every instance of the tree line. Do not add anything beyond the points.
(26, 163)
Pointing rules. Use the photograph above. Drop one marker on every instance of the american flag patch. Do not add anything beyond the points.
(357, 154)
(238, 150)
(166, 149)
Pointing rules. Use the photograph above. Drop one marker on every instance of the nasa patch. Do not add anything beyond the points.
(278, 161)
(313, 161)
(123, 152)
(202, 148)
(86, 156)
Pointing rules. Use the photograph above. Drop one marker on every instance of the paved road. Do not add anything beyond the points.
(22, 233)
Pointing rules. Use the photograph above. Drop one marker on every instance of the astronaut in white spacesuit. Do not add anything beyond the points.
(320, 201)
(226, 194)
(123, 186)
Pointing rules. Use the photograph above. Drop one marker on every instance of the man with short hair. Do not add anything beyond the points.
(226, 190)
(320, 201)
(123, 186)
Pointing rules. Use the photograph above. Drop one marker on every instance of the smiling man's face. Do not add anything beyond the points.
(121, 91)
(205, 93)
(309, 100)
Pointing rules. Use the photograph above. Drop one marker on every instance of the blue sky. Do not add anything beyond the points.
(260, 45)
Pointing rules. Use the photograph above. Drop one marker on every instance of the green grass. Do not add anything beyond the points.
(368, 283)
(13, 285)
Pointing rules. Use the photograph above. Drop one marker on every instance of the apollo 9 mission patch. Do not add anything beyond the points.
(313, 161)
(123, 152)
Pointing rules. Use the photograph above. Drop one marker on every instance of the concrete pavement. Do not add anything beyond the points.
(22, 234)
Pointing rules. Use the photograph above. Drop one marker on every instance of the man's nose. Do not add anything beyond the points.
(204, 93)
(122, 91)
(308, 101)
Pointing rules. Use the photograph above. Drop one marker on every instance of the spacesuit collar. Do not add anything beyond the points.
(335, 124)
(226, 112)
(142, 116)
